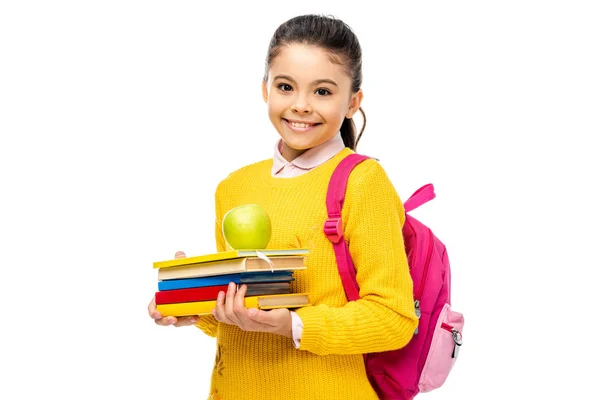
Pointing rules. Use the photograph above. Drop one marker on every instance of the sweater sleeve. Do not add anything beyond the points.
(208, 323)
(383, 318)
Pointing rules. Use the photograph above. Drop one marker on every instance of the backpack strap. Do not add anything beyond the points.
(419, 197)
(336, 193)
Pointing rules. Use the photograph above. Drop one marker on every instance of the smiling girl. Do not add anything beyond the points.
(312, 88)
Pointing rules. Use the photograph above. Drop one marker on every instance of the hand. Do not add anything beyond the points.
(166, 321)
(231, 309)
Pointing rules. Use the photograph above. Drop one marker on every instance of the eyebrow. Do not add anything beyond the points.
(316, 82)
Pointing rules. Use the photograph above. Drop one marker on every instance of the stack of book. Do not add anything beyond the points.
(189, 286)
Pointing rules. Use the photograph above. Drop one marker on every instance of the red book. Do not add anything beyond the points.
(202, 293)
(189, 294)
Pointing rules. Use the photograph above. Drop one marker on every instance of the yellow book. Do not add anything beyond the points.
(233, 266)
(265, 302)
(229, 255)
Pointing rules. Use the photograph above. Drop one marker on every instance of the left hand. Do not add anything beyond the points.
(231, 309)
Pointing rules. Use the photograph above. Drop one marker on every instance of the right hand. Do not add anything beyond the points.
(166, 321)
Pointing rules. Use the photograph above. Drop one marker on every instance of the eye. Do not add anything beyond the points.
(285, 87)
(322, 92)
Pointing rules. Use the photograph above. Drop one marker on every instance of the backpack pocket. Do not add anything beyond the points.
(443, 351)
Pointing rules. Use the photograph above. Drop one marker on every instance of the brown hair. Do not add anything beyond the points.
(335, 36)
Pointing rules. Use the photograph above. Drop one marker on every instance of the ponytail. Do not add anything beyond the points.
(348, 131)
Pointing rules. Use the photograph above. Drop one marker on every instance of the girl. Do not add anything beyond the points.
(312, 88)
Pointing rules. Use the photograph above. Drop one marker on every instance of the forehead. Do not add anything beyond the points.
(306, 62)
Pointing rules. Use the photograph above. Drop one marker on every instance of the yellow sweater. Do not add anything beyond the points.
(329, 363)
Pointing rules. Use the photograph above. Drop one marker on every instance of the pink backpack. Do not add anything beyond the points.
(425, 362)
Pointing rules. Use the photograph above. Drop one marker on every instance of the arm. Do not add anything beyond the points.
(383, 318)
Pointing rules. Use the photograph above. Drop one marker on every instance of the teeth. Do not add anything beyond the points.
(299, 124)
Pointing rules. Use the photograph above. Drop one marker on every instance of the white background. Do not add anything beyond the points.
(118, 119)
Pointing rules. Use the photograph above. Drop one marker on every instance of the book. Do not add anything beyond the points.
(211, 292)
(228, 255)
(189, 294)
(231, 266)
(264, 288)
(267, 302)
(244, 277)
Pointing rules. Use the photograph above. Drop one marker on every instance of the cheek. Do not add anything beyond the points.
(275, 105)
(273, 110)
(337, 111)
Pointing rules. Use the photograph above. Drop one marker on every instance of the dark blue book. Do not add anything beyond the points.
(244, 277)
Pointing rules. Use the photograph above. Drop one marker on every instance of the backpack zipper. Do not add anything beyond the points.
(456, 336)
(423, 278)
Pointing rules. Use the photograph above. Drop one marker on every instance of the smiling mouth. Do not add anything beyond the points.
(301, 126)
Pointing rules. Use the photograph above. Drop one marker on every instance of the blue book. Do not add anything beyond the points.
(244, 277)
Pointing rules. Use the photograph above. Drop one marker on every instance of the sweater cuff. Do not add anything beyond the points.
(297, 328)
(312, 333)
(208, 325)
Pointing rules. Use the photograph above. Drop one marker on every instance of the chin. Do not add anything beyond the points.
(300, 141)
(299, 144)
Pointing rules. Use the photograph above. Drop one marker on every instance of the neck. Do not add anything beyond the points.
(289, 153)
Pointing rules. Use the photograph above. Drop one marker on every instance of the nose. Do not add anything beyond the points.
(301, 105)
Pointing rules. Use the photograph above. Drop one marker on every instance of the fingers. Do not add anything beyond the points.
(177, 322)
(180, 254)
(230, 307)
(166, 321)
(157, 316)
(186, 321)
(154, 314)
(235, 305)
(219, 310)
(223, 311)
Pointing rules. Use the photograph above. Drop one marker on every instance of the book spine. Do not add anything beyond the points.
(198, 282)
(197, 307)
(189, 294)
(203, 270)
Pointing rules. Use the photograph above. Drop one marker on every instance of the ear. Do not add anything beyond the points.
(265, 92)
(355, 102)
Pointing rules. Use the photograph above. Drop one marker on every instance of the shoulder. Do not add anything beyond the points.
(369, 183)
(367, 174)
(244, 174)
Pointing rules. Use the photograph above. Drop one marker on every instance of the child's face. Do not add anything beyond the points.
(308, 96)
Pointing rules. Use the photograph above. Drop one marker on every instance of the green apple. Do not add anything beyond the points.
(247, 227)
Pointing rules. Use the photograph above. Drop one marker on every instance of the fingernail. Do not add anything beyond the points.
(194, 320)
(231, 285)
(252, 312)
